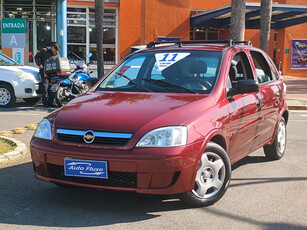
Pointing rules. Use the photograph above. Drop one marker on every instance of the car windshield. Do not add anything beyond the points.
(6, 61)
(165, 71)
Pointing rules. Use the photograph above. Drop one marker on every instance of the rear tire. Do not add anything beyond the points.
(7, 95)
(277, 149)
(212, 178)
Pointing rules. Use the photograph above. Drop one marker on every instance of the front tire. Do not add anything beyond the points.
(212, 178)
(277, 149)
(7, 96)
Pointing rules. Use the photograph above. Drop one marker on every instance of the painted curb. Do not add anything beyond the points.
(297, 107)
(20, 150)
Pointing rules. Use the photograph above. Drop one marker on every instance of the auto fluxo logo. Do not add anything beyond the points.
(89, 137)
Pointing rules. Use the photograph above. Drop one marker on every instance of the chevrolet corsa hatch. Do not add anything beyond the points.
(169, 119)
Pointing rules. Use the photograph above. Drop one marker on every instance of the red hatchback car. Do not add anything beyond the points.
(167, 120)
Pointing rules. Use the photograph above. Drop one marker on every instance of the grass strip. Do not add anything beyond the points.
(6, 146)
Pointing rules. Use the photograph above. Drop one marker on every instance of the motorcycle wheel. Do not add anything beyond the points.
(62, 97)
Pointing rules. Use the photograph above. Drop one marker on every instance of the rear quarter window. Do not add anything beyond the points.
(262, 68)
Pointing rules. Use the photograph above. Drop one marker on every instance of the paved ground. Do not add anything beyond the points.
(262, 195)
(296, 92)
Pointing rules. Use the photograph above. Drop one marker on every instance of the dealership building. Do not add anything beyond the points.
(137, 22)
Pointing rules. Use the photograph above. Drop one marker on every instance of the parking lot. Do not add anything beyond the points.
(262, 194)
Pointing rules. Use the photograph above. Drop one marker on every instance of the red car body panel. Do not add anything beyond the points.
(239, 121)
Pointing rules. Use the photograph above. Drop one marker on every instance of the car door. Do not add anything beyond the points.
(243, 112)
(270, 92)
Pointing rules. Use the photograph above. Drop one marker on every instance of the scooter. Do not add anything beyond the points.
(66, 89)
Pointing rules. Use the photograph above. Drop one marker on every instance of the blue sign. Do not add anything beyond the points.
(86, 168)
(299, 54)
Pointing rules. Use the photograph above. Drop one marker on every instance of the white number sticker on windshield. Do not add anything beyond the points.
(165, 60)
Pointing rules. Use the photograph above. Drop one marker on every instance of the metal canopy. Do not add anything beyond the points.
(283, 16)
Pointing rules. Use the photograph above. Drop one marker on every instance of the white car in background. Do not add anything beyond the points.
(18, 81)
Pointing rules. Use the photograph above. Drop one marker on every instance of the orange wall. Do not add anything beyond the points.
(208, 4)
(129, 26)
(143, 21)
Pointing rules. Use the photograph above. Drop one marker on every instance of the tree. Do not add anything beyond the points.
(265, 24)
(237, 21)
(99, 10)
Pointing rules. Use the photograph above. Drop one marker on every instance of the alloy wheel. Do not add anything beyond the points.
(281, 137)
(210, 176)
(5, 96)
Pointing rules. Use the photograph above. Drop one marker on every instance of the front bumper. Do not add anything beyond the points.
(143, 170)
(27, 89)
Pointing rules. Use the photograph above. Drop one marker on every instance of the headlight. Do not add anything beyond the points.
(22, 75)
(43, 129)
(165, 137)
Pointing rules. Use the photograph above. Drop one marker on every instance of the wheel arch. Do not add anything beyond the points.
(285, 115)
(220, 140)
(8, 84)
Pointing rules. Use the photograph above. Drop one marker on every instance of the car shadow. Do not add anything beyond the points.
(28, 201)
(249, 160)
(22, 106)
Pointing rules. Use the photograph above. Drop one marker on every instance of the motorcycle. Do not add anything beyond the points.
(66, 89)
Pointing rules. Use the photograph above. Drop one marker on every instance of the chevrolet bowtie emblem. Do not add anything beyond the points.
(89, 137)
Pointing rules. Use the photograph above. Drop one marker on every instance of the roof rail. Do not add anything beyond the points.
(229, 42)
(248, 43)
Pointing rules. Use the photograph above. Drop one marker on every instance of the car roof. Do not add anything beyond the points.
(209, 45)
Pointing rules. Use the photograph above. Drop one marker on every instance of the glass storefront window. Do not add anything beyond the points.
(43, 35)
(108, 56)
(77, 16)
(76, 34)
(76, 52)
(76, 22)
(109, 35)
(79, 10)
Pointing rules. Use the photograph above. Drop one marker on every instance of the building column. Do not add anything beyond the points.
(34, 32)
(61, 14)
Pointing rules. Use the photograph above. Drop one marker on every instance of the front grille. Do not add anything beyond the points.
(101, 138)
(116, 179)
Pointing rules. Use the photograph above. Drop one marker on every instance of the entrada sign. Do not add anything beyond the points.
(16, 25)
(15, 39)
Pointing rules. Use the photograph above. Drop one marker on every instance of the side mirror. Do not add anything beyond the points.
(91, 82)
(244, 86)
(89, 55)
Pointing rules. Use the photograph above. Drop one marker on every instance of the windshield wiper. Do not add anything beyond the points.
(133, 82)
(166, 83)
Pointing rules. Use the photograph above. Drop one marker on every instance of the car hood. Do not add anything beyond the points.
(28, 69)
(127, 111)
